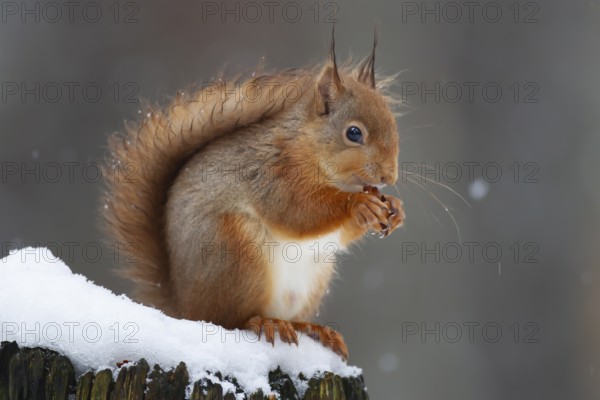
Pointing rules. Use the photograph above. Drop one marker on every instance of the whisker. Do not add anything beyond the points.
(437, 219)
(425, 213)
(430, 193)
(443, 185)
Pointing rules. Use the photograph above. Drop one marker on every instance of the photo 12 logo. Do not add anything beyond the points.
(454, 12)
(469, 332)
(53, 12)
(269, 11)
(452, 172)
(71, 92)
(32, 333)
(470, 252)
(491, 92)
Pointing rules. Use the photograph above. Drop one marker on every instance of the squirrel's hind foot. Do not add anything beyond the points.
(287, 332)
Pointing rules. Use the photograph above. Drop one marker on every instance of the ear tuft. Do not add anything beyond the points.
(330, 84)
(366, 70)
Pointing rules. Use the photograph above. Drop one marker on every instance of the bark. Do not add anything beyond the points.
(36, 373)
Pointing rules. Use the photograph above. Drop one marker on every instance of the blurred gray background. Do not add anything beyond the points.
(424, 322)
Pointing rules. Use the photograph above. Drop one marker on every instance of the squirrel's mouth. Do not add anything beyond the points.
(365, 183)
(357, 184)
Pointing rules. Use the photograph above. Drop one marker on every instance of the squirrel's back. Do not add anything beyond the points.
(145, 160)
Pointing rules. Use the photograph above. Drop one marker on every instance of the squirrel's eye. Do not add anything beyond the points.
(354, 134)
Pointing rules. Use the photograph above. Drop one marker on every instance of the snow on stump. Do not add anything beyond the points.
(35, 373)
(59, 342)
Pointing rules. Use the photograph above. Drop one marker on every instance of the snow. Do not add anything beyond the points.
(43, 303)
(478, 189)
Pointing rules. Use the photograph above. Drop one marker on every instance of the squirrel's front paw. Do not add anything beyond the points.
(377, 212)
(371, 213)
(397, 216)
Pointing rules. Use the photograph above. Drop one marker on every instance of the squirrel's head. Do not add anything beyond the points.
(354, 127)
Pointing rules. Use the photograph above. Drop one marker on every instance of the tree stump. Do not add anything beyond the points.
(36, 373)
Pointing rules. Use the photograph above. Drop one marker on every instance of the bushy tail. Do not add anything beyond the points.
(145, 161)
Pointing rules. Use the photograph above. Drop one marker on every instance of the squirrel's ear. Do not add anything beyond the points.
(330, 84)
(366, 70)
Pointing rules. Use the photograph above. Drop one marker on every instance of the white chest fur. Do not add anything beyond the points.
(300, 273)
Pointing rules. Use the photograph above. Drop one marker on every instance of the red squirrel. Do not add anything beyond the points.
(222, 180)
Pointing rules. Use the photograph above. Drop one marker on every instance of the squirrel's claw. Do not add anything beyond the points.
(269, 327)
(254, 325)
(326, 336)
(288, 333)
(371, 213)
(397, 215)
(394, 208)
